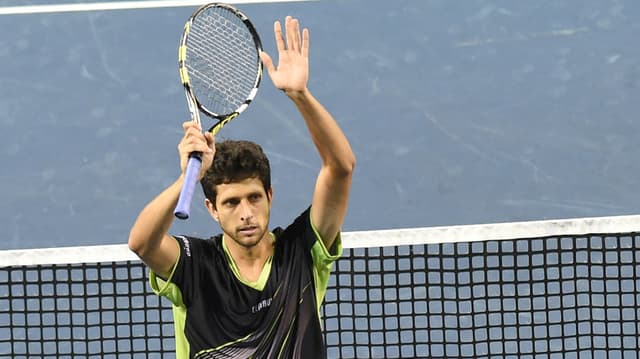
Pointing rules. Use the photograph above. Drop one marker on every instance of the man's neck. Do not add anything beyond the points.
(250, 260)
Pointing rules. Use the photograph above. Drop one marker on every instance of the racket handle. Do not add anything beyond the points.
(183, 209)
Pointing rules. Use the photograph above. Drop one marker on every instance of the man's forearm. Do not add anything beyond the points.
(332, 144)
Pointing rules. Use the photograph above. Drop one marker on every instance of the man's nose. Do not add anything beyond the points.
(245, 211)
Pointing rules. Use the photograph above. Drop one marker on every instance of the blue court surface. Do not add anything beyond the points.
(459, 112)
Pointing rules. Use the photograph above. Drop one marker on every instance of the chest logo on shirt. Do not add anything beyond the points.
(261, 305)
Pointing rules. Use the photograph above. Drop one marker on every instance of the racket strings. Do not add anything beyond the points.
(223, 71)
(222, 61)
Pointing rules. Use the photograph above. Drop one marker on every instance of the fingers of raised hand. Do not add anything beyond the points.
(267, 61)
(291, 39)
(305, 43)
(277, 31)
(292, 27)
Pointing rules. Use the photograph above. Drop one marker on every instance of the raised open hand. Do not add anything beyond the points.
(292, 73)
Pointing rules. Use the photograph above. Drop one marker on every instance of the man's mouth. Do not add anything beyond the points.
(248, 230)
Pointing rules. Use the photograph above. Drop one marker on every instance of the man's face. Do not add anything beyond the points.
(243, 209)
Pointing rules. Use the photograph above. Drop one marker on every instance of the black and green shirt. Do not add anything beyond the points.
(219, 315)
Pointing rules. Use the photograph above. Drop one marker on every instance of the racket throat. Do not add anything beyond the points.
(215, 128)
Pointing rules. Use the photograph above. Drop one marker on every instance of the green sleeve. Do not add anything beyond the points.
(323, 259)
(171, 291)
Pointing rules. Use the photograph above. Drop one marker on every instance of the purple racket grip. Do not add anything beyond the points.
(183, 209)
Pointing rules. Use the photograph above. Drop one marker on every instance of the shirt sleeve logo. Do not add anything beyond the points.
(186, 245)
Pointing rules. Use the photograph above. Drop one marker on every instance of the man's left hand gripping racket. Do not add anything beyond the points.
(220, 69)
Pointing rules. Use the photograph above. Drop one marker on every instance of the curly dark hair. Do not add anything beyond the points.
(235, 161)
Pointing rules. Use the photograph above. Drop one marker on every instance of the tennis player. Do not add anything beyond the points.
(251, 292)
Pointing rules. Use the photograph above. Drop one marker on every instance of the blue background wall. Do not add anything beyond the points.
(459, 112)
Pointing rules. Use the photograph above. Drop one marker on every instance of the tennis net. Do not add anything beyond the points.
(538, 289)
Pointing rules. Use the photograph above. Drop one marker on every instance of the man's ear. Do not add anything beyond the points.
(211, 207)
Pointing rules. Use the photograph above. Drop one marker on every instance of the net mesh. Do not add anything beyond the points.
(552, 296)
(82, 310)
(557, 297)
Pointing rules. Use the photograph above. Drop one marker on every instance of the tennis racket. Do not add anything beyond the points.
(220, 69)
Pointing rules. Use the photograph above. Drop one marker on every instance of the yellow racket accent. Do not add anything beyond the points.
(184, 75)
(182, 56)
(182, 53)
(214, 130)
